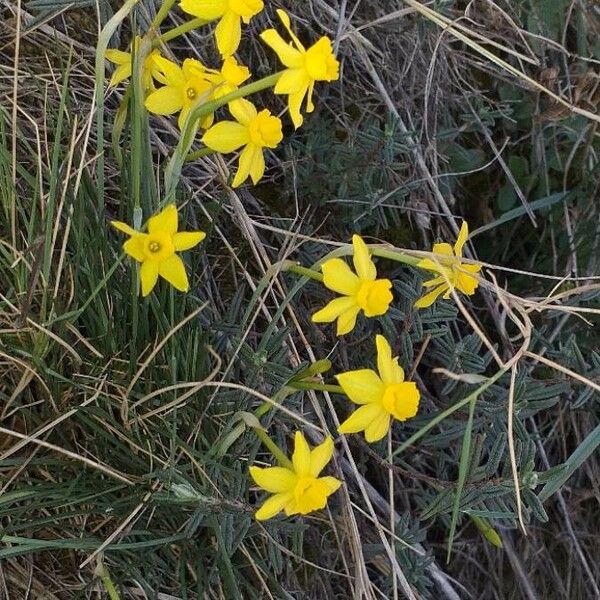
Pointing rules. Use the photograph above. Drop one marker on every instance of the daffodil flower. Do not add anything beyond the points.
(453, 274)
(382, 395)
(228, 79)
(360, 291)
(230, 14)
(304, 67)
(253, 130)
(298, 490)
(184, 87)
(124, 62)
(156, 249)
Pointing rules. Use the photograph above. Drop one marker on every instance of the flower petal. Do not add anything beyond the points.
(228, 33)
(332, 483)
(226, 136)
(338, 277)
(292, 81)
(118, 57)
(320, 456)
(164, 101)
(257, 166)
(301, 455)
(124, 228)
(165, 221)
(362, 386)
(134, 247)
(443, 248)
(294, 104)
(248, 159)
(173, 270)
(272, 506)
(463, 234)
(148, 276)
(121, 73)
(431, 297)
(172, 72)
(285, 19)
(243, 111)
(347, 320)
(333, 310)
(205, 9)
(378, 428)
(389, 369)
(273, 479)
(363, 264)
(288, 55)
(184, 240)
(361, 418)
(466, 283)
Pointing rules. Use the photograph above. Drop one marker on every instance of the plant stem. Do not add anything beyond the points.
(304, 271)
(394, 255)
(107, 582)
(180, 30)
(275, 450)
(198, 154)
(162, 13)
(319, 387)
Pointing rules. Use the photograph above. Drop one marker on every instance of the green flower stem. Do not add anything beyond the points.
(198, 154)
(275, 450)
(319, 387)
(107, 582)
(395, 255)
(162, 13)
(446, 413)
(278, 398)
(310, 273)
(180, 30)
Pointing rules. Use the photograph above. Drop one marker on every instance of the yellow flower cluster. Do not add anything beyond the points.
(193, 85)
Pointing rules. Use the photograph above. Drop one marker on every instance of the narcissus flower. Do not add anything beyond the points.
(298, 490)
(360, 291)
(382, 396)
(453, 274)
(229, 78)
(156, 249)
(253, 130)
(230, 14)
(124, 62)
(184, 87)
(304, 67)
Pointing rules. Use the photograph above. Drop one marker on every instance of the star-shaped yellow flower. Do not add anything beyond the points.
(360, 291)
(382, 396)
(253, 130)
(304, 67)
(230, 14)
(453, 274)
(298, 490)
(184, 87)
(124, 62)
(156, 249)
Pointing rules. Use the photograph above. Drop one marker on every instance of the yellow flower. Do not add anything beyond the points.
(304, 67)
(382, 396)
(156, 249)
(230, 14)
(453, 273)
(360, 291)
(253, 130)
(184, 87)
(298, 490)
(124, 62)
(229, 78)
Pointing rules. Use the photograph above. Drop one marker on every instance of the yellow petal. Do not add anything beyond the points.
(294, 104)
(443, 248)
(292, 81)
(247, 159)
(333, 310)
(184, 240)
(124, 228)
(430, 265)
(309, 94)
(134, 247)
(205, 9)
(361, 418)
(463, 234)
(347, 320)
(118, 57)
(338, 277)
(164, 101)
(172, 72)
(285, 19)
(273, 479)
(406, 403)
(120, 74)
(434, 282)
(226, 136)
(257, 165)
(389, 369)
(234, 73)
(362, 386)
(165, 221)
(228, 33)
(320, 456)
(465, 282)
(363, 264)
(332, 483)
(173, 270)
(272, 506)
(243, 111)
(148, 276)
(431, 297)
(301, 455)
(378, 428)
